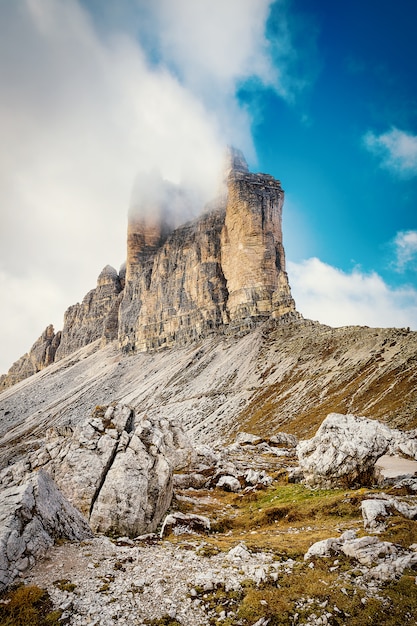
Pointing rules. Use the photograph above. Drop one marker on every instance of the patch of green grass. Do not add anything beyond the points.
(400, 530)
(285, 518)
(27, 606)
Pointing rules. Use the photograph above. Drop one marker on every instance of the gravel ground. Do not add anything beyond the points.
(128, 584)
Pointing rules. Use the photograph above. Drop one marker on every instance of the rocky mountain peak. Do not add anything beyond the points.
(107, 276)
(223, 271)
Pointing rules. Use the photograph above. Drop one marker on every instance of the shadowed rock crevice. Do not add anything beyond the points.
(128, 428)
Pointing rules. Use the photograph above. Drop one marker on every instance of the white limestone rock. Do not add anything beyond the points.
(344, 451)
(239, 552)
(255, 477)
(180, 523)
(244, 439)
(404, 443)
(382, 560)
(189, 480)
(138, 489)
(329, 547)
(32, 516)
(283, 439)
(116, 467)
(374, 513)
(79, 463)
(229, 483)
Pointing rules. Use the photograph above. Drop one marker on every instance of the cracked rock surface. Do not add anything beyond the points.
(32, 516)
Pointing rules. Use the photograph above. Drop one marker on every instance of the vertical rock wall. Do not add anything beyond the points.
(252, 253)
(226, 267)
(177, 292)
(223, 269)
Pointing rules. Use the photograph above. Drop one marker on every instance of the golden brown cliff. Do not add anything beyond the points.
(253, 260)
(221, 272)
(226, 268)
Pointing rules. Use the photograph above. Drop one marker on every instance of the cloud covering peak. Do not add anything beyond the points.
(85, 106)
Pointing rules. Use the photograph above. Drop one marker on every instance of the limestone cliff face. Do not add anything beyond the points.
(95, 317)
(41, 354)
(227, 268)
(221, 272)
(253, 260)
(176, 292)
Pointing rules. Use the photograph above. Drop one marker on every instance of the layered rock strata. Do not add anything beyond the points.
(227, 268)
(176, 292)
(41, 354)
(95, 317)
(252, 253)
(224, 271)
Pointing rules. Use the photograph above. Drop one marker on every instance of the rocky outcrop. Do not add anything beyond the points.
(114, 467)
(95, 318)
(376, 510)
(381, 560)
(252, 253)
(345, 449)
(181, 523)
(137, 489)
(32, 516)
(177, 292)
(41, 354)
(223, 271)
(225, 268)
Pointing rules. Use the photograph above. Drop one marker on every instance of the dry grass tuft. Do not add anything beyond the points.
(27, 606)
(310, 593)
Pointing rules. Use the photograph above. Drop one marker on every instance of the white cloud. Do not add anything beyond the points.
(28, 297)
(396, 149)
(85, 107)
(213, 43)
(337, 298)
(405, 243)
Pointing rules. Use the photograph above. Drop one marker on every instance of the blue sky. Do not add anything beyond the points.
(319, 93)
(351, 195)
(345, 149)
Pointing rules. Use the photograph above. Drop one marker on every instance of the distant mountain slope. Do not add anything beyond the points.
(276, 377)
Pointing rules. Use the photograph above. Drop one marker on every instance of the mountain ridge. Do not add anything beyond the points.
(277, 376)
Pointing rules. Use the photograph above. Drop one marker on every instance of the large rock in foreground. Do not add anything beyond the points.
(32, 516)
(115, 467)
(345, 449)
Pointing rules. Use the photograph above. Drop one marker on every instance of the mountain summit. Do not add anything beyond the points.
(223, 271)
